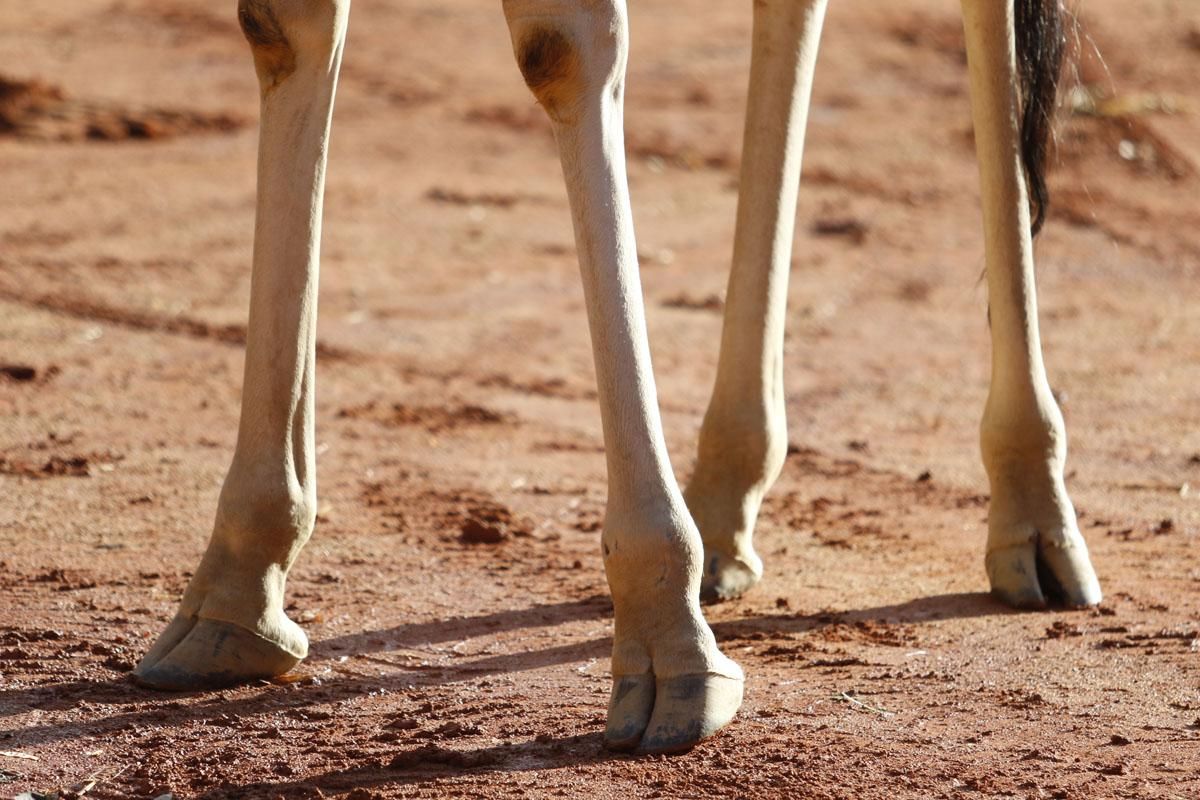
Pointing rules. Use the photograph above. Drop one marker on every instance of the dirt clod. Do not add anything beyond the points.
(475, 531)
(37, 110)
(18, 373)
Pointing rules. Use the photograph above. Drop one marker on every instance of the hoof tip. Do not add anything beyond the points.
(211, 654)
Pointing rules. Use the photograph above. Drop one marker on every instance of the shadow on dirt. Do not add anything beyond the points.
(426, 763)
(454, 630)
(152, 712)
(955, 605)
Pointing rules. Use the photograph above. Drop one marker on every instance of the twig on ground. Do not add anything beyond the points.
(14, 754)
(844, 697)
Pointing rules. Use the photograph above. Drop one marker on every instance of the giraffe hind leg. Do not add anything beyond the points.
(743, 440)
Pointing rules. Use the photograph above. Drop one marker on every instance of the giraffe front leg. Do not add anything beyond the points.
(1034, 547)
(672, 686)
(743, 441)
(231, 626)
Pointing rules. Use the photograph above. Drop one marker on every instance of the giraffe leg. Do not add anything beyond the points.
(743, 440)
(1034, 546)
(672, 687)
(230, 626)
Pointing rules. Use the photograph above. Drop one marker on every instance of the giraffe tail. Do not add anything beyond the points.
(1041, 45)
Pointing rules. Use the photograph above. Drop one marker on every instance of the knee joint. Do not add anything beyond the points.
(549, 62)
(567, 59)
(281, 30)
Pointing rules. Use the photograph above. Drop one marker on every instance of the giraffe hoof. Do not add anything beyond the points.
(195, 654)
(670, 715)
(629, 711)
(1028, 574)
(728, 577)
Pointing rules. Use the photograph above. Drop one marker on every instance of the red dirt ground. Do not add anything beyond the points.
(455, 383)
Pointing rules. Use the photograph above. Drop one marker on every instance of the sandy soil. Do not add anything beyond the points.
(455, 381)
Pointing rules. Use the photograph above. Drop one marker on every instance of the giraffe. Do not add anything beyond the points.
(665, 548)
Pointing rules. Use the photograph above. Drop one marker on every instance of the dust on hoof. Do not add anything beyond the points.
(195, 654)
(669, 715)
(1028, 575)
(726, 578)
(689, 709)
(629, 711)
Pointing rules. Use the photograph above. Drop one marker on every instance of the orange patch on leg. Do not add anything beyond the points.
(274, 58)
(550, 65)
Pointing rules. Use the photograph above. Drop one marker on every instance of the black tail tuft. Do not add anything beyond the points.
(1040, 49)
